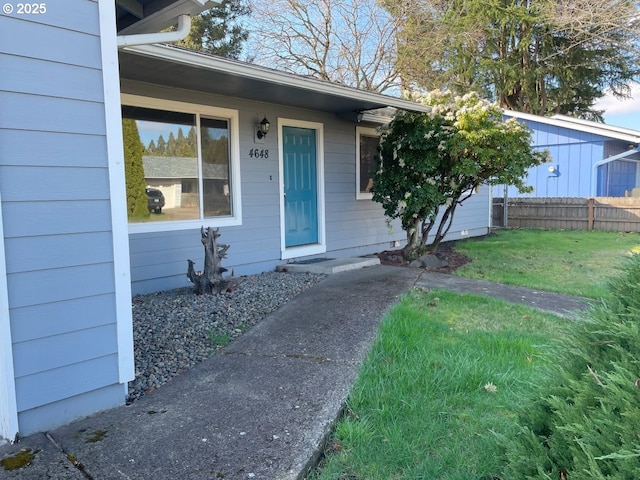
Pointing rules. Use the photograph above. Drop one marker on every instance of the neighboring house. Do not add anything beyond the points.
(70, 260)
(586, 158)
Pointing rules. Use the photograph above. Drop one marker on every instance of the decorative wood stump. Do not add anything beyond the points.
(210, 279)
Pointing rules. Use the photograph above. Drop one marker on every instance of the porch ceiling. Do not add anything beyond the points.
(179, 68)
(149, 16)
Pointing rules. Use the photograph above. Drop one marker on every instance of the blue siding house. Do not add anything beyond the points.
(586, 158)
(70, 259)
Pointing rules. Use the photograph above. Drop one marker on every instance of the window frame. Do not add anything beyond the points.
(207, 111)
(369, 132)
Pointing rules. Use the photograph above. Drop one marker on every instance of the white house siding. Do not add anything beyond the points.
(353, 227)
(56, 211)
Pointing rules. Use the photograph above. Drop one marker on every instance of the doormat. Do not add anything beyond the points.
(312, 260)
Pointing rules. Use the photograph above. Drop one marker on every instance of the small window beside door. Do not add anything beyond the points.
(367, 141)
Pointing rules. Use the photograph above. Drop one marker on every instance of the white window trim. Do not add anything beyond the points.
(372, 132)
(234, 152)
(321, 246)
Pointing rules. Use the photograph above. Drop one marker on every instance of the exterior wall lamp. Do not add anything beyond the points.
(263, 128)
(554, 171)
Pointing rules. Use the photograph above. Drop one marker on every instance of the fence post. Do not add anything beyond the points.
(591, 216)
(505, 208)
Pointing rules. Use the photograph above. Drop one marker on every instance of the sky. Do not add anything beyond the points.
(622, 113)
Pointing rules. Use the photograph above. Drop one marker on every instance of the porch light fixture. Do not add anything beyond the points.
(263, 128)
(554, 170)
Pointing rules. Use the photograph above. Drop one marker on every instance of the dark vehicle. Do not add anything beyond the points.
(156, 200)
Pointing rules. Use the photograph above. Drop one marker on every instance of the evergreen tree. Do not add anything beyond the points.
(217, 31)
(151, 148)
(540, 56)
(161, 147)
(171, 145)
(137, 203)
(191, 137)
(585, 423)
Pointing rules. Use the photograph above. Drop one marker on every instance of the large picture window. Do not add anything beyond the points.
(367, 141)
(189, 164)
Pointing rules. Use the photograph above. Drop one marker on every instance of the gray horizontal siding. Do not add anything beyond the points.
(56, 208)
(49, 319)
(49, 114)
(78, 15)
(53, 183)
(55, 218)
(58, 251)
(66, 382)
(63, 80)
(46, 286)
(51, 149)
(81, 344)
(51, 415)
(353, 226)
(65, 43)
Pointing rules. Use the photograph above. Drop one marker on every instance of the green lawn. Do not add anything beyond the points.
(447, 372)
(565, 261)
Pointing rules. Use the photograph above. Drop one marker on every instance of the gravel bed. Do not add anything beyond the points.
(177, 329)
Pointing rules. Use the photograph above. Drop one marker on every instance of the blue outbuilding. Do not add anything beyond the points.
(586, 159)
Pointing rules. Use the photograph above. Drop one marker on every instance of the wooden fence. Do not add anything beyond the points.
(621, 214)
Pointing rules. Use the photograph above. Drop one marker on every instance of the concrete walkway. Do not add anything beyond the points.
(562, 305)
(262, 407)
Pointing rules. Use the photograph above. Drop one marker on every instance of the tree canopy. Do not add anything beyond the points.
(430, 163)
(348, 42)
(218, 31)
(536, 56)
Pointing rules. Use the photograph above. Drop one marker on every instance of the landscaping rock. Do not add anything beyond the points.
(428, 261)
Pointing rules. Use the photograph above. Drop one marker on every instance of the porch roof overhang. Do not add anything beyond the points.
(180, 68)
(150, 16)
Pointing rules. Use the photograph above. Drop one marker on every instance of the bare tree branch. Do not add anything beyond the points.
(352, 43)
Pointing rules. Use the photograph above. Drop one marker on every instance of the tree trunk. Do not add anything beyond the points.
(210, 279)
(411, 248)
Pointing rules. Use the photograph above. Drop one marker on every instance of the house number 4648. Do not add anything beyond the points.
(258, 153)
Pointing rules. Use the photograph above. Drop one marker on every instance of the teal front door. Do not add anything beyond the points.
(300, 186)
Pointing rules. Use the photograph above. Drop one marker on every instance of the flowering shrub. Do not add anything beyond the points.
(432, 162)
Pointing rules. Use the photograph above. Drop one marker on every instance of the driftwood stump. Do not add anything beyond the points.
(210, 279)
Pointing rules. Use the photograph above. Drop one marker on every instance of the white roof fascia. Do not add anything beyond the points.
(625, 135)
(604, 126)
(265, 74)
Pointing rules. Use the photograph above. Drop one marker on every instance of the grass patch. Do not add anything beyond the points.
(219, 339)
(446, 373)
(564, 261)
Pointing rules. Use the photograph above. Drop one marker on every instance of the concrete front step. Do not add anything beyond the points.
(329, 265)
